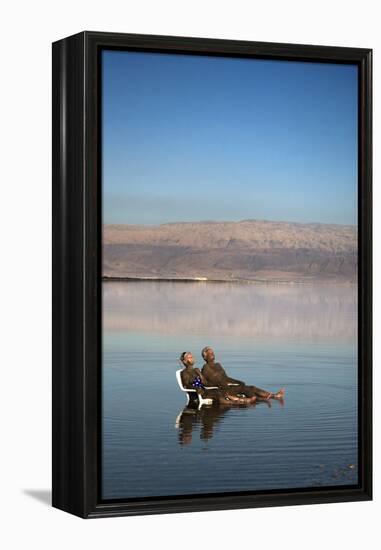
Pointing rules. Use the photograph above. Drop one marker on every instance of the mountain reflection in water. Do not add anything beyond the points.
(317, 312)
(298, 336)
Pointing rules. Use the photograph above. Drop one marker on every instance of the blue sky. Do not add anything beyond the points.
(189, 138)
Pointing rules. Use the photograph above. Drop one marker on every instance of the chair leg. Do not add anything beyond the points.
(202, 401)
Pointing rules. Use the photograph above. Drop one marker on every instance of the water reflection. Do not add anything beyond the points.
(264, 312)
(299, 337)
(206, 419)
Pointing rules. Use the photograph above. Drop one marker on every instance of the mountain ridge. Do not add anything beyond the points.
(248, 249)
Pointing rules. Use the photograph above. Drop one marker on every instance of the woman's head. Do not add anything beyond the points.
(187, 358)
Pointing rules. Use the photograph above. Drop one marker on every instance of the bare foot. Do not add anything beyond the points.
(279, 394)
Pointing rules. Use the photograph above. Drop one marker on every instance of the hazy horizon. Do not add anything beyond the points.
(232, 221)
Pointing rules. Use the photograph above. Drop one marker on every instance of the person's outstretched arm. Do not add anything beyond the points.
(210, 376)
(227, 379)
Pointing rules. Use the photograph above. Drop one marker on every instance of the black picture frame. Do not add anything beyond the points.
(77, 265)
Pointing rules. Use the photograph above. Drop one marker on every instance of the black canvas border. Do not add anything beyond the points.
(77, 234)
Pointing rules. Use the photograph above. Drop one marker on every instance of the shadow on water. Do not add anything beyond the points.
(191, 418)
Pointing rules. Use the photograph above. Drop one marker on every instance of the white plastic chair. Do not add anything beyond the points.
(191, 393)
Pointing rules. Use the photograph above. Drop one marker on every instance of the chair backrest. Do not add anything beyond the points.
(180, 382)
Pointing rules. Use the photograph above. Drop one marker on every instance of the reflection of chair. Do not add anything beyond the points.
(192, 395)
(187, 410)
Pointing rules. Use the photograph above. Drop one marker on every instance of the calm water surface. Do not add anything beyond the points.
(297, 336)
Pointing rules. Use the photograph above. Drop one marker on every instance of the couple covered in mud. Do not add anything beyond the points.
(213, 382)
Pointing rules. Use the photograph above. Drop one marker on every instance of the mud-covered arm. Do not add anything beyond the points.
(210, 377)
(202, 377)
(227, 379)
(186, 380)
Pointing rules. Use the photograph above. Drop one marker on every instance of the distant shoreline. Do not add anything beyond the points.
(106, 279)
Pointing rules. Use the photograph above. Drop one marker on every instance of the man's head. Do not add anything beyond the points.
(208, 354)
(187, 359)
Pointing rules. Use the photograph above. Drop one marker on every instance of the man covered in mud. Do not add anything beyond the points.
(215, 375)
(192, 378)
